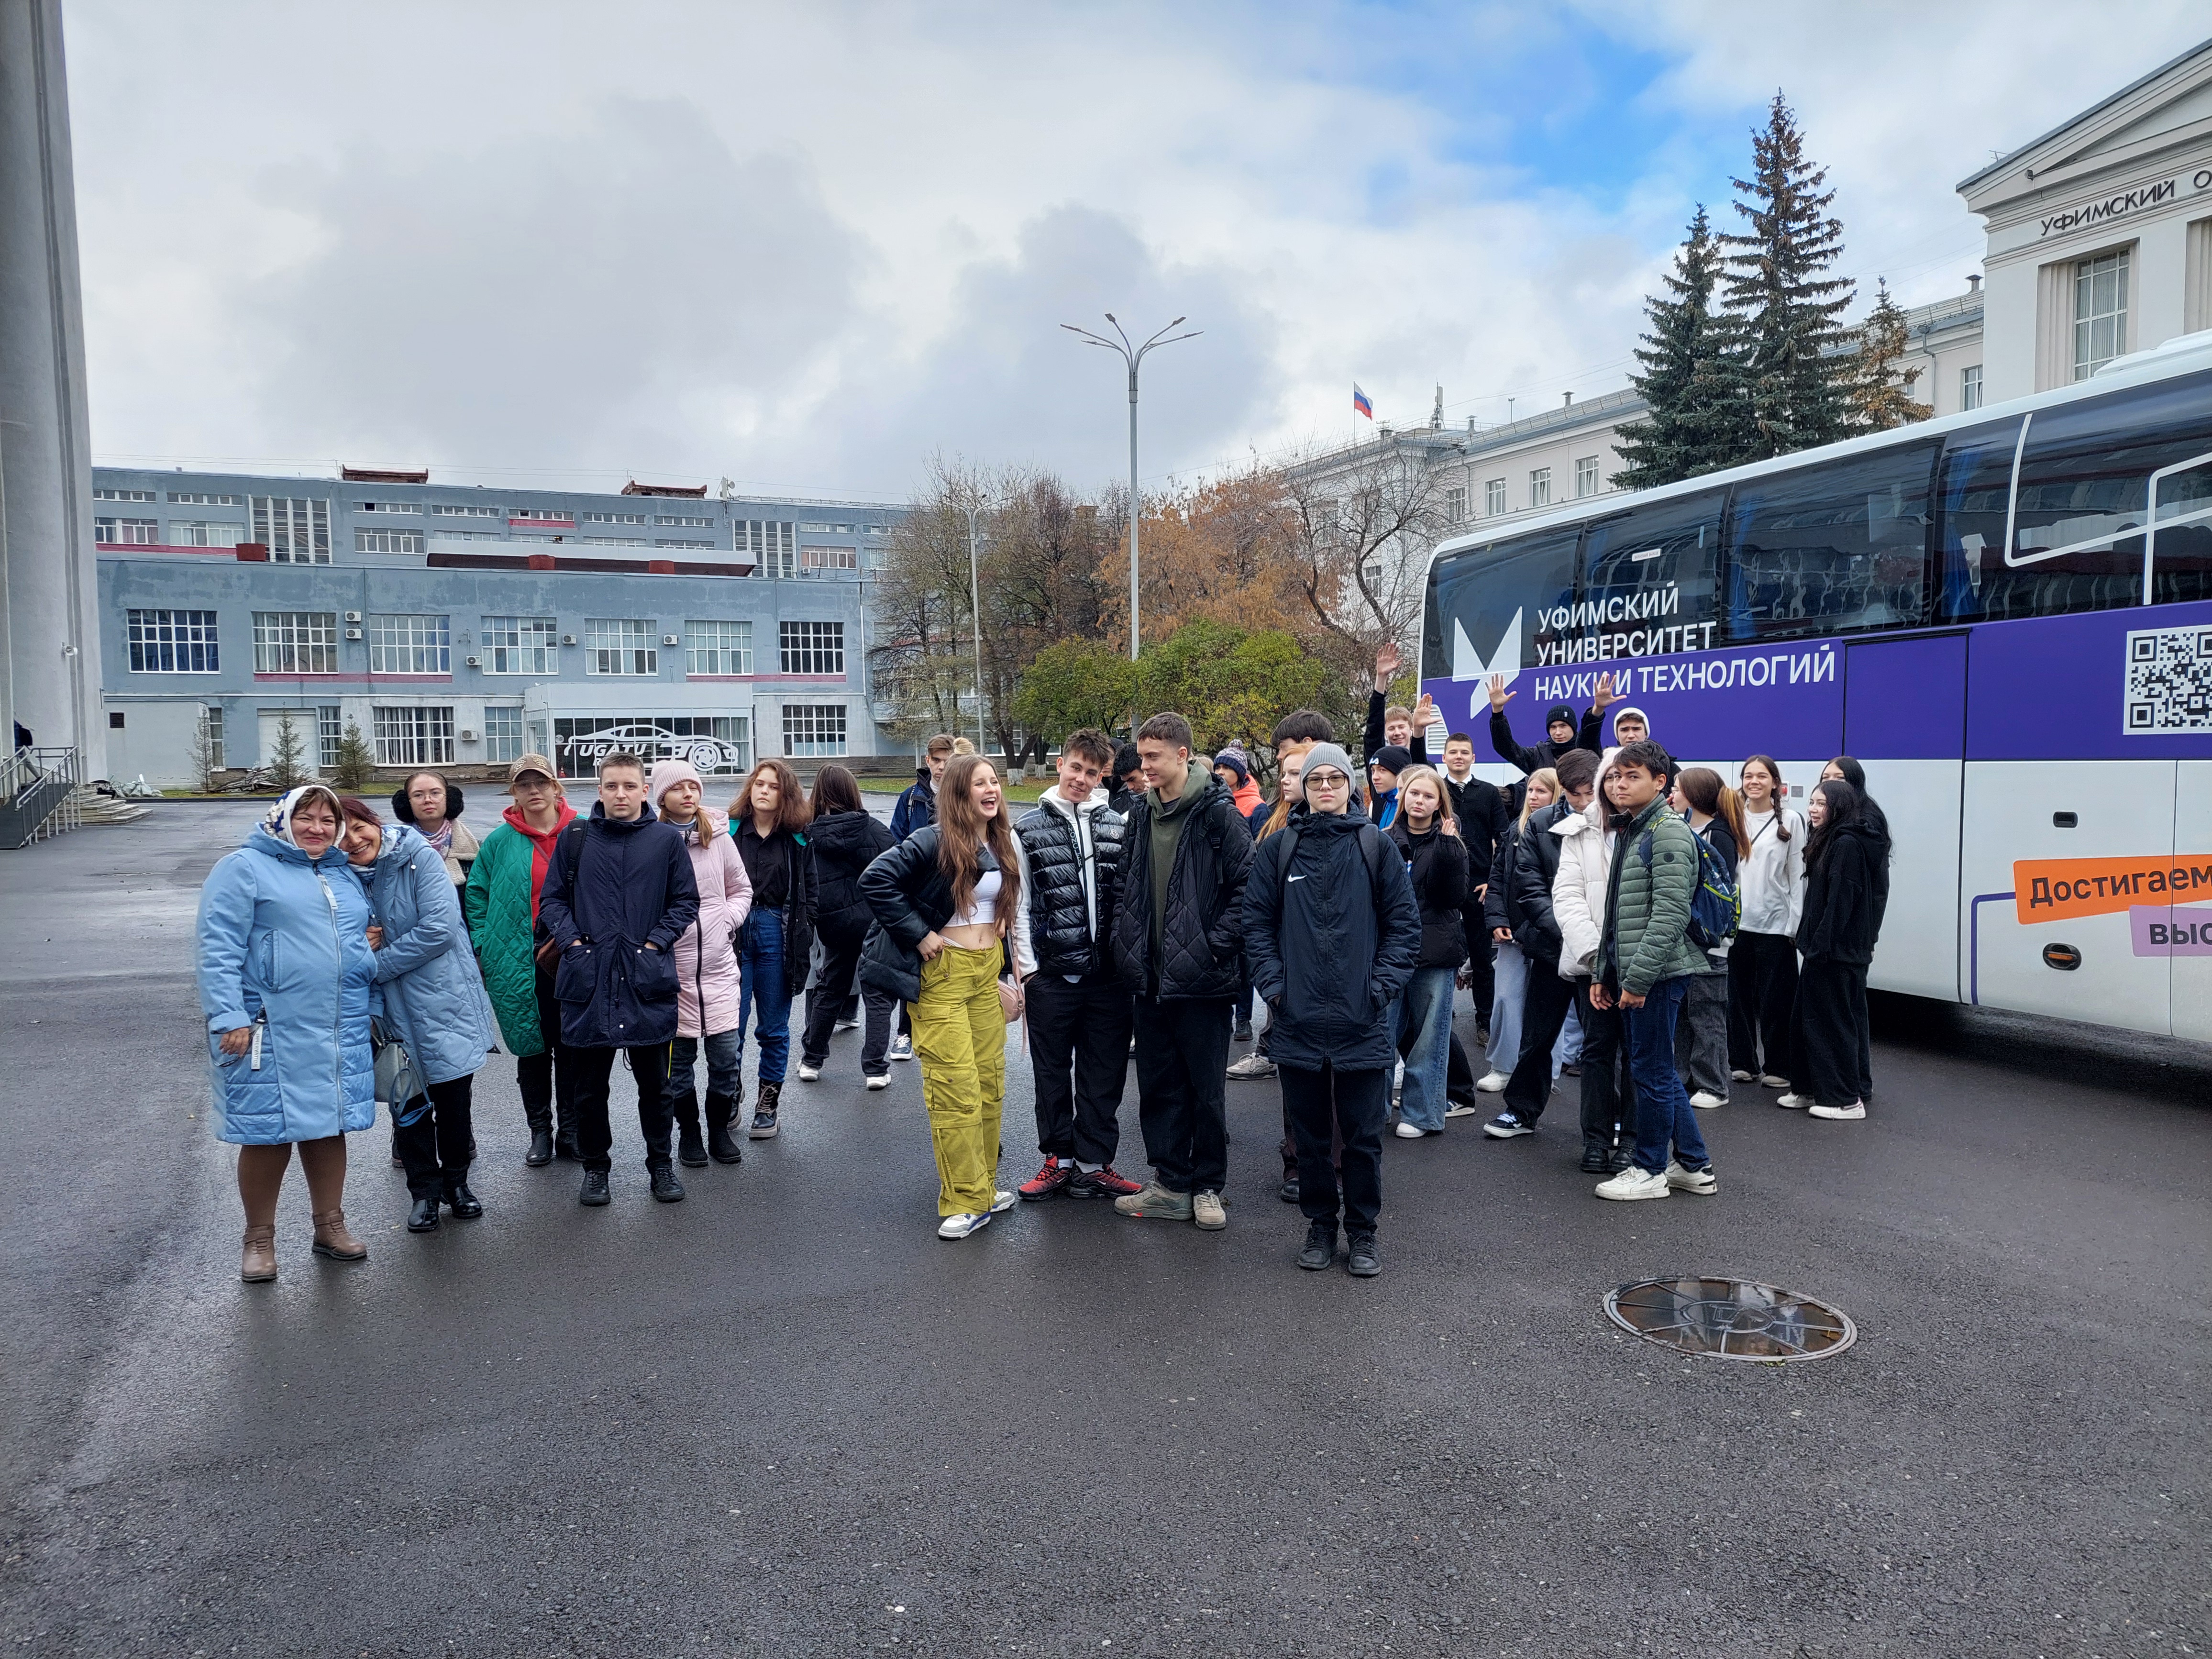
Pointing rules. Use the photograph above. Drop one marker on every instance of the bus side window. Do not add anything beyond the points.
(1649, 578)
(2084, 496)
(1832, 548)
(1975, 492)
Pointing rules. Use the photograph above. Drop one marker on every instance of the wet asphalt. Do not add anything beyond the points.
(782, 1418)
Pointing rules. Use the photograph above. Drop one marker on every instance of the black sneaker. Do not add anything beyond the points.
(1361, 1259)
(1288, 1192)
(1244, 1032)
(666, 1189)
(1621, 1157)
(594, 1189)
(1320, 1247)
(1597, 1158)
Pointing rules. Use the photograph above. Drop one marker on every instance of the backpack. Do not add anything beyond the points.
(1717, 906)
(1372, 842)
(569, 850)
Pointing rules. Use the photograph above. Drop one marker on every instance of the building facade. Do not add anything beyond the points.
(459, 626)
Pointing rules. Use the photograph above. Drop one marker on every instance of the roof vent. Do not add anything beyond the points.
(1974, 283)
(1567, 400)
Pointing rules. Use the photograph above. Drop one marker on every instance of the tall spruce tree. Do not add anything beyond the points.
(1698, 419)
(1880, 397)
(1795, 352)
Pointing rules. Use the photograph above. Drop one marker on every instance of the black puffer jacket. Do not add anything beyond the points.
(1846, 891)
(1535, 866)
(1205, 930)
(1060, 919)
(1333, 938)
(845, 844)
(1437, 863)
(909, 899)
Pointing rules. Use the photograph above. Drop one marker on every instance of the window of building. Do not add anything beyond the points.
(813, 647)
(689, 523)
(1970, 387)
(716, 744)
(674, 541)
(414, 737)
(184, 532)
(1585, 476)
(196, 498)
(172, 642)
(613, 518)
(123, 494)
(1454, 506)
(611, 541)
(620, 645)
(718, 648)
(387, 541)
(2101, 312)
(409, 645)
(330, 728)
(449, 510)
(1539, 487)
(772, 547)
(820, 561)
(126, 532)
(295, 529)
(502, 733)
(387, 507)
(211, 726)
(540, 515)
(813, 728)
(521, 644)
(295, 642)
(1493, 497)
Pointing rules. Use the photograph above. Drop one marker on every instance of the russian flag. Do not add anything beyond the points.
(1361, 403)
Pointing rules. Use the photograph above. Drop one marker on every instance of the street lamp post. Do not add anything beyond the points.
(976, 616)
(1133, 355)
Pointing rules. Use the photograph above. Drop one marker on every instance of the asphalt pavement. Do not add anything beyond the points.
(782, 1418)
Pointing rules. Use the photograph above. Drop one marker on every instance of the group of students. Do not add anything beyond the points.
(1130, 917)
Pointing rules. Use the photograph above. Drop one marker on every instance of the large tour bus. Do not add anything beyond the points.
(2005, 615)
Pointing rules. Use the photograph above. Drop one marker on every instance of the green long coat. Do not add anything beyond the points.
(499, 904)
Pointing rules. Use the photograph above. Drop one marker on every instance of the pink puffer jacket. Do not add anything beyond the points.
(707, 955)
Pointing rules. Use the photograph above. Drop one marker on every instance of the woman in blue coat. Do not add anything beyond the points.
(285, 974)
(431, 997)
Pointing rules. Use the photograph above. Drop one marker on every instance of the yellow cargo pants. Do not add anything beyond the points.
(960, 1038)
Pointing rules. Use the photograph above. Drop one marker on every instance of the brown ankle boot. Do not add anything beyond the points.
(258, 1264)
(332, 1240)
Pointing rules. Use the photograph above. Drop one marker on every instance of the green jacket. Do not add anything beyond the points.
(1655, 878)
(498, 903)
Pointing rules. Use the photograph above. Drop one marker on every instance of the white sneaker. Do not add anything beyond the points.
(808, 1074)
(1704, 1100)
(1459, 1108)
(902, 1047)
(1796, 1102)
(1001, 1201)
(1493, 1083)
(1703, 1182)
(846, 1025)
(883, 1082)
(1634, 1182)
(1772, 1081)
(1408, 1131)
(1850, 1113)
(1742, 1076)
(959, 1226)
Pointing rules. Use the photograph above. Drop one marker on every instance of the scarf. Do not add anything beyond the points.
(277, 821)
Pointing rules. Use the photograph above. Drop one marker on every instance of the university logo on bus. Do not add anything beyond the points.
(581, 753)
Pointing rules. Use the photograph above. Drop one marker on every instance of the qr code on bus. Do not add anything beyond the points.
(2169, 689)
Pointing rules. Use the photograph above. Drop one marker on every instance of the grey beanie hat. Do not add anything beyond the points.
(1330, 754)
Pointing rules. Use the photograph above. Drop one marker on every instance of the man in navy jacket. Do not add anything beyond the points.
(618, 894)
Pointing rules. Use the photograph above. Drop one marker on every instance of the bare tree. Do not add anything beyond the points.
(1359, 527)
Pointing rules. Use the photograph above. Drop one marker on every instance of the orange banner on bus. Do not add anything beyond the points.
(2052, 890)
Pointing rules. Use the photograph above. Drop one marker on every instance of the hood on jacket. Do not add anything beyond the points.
(1620, 708)
(276, 824)
(400, 842)
(403, 809)
(513, 819)
(1195, 783)
(1095, 802)
(645, 815)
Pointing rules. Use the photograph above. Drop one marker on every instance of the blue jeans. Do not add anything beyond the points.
(763, 985)
(1422, 1018)
(1664, 1116)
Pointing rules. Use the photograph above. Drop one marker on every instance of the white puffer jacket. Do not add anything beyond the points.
(1578, 890)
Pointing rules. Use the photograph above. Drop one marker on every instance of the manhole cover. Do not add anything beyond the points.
(1730, 1319)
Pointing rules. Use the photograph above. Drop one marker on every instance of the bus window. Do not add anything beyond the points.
(1649, 581)
(1973, 497)
(1832, 548)
(1480, 598)
(2084, 496)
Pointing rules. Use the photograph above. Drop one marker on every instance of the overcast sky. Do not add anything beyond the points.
(807, 246)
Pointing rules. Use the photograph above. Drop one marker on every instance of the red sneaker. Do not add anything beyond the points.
(1103, 1184)
(1048, 1182)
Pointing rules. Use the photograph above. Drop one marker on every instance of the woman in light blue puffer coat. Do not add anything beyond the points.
(285, 972)
(430, 997)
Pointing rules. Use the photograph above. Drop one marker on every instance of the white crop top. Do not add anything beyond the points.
(983, 909)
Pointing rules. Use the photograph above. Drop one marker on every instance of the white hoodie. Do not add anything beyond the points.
(1080, 814)
(1771, 878)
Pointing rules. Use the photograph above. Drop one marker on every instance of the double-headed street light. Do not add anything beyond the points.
(1133, 355)
(976, 616)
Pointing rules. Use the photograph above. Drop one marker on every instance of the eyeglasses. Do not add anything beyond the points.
(1326, 780)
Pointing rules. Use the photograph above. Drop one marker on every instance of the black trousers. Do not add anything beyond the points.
(1482, 978)
(1080, 1056)
(1762, 988)
(1325, 1106)
(1459, 1075)
(1543, 1013)
(594, 1070)
(831, 997)
(1608, 1089)
(1183, 1082)
(440, 1143)
(1833, 1051)
(547, 1079)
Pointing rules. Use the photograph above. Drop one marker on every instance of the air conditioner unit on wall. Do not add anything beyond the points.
(473, 662)
(353, 633)
(567, 639)
(353, 616)
(671, 639)
(467, 736)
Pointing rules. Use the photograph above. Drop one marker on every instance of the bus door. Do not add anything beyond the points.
(1905, 719)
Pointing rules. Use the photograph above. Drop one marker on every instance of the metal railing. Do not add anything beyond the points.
(35, 786)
